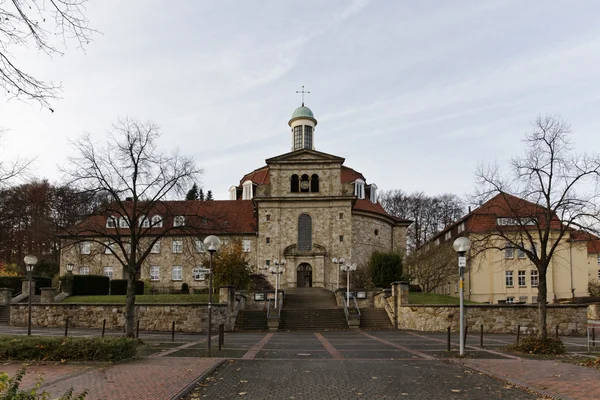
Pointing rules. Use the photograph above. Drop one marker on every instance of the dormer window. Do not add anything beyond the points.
(247, 190)
(373, 193)
(123, 222)
(233, 193)
(144, 222)
(359, 188)
(110, 222)
(157, 221)
(179, 221)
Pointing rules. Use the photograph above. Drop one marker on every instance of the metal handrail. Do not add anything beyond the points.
(280, 306)
(389, 309)
(347, 312)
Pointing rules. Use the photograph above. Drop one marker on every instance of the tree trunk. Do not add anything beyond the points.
(130, 304)
(542, 294)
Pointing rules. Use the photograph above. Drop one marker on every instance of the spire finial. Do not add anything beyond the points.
(302, 91)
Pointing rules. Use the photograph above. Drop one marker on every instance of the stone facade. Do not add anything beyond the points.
(153, 317)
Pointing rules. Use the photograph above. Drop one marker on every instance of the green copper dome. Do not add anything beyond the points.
(302, 112)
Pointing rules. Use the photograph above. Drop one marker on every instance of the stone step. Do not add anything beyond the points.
(251, 320)
(374, 318)
(313, 319)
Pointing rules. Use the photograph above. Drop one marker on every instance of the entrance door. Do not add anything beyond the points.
(304, 275)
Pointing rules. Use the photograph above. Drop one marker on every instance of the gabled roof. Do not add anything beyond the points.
(305, 156)
(376, 208)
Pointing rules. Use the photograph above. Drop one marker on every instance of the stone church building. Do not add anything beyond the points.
(305, 207)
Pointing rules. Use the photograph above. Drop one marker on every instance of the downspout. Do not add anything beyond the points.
(571, 266)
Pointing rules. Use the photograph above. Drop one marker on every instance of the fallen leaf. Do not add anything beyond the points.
(456, 390)
(242, 393)
(403, 394)
(243, 381)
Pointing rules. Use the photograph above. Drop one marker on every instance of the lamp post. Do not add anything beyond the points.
(212, 244)
(70, 267)
(277, 270)
(30, 261)
(347, 268)
(461, 246)
(341, 262)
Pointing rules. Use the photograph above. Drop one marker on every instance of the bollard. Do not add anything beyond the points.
(448, 338)
(103, 327)
(137, 329)
(557, 331)
(67, 327)
(593, 336)
(518, 333)
(465, 335)
(221, 335)
(481, 336)
(173, 332)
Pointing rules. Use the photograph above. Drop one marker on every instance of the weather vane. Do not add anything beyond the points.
(302, 91)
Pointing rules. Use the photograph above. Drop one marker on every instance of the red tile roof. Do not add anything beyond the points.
(350, 175)
(367, 205)
(259, 176)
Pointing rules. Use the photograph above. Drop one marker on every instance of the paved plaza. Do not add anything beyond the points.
(382, 364)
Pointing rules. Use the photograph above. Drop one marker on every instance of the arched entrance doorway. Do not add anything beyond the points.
(304, 275)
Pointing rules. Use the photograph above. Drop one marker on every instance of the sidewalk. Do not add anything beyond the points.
(559, 380)
(149, 378)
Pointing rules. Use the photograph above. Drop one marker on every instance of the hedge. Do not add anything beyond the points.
(88, 285)
(119, 286)
(36, 348)
(16, 283)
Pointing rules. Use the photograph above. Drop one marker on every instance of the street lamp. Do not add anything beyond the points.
(212, 244)
(461, 246)
(70, 267)
(277, 270)
(347, 268)
(341, 262)
(30, 261)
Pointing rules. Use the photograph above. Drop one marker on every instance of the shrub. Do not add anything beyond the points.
(539, 345)
(385, 268)
(9, 389)
(119, 286)
(88, 285)
(59, 349)
(594, 288)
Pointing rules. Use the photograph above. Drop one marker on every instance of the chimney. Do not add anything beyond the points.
(128, 198)
(469, 209)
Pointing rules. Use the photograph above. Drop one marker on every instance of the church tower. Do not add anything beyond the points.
(303, 125)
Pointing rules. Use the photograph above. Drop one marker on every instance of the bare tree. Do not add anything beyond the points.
(138, 178)
(550, 193)
(40, 23)
(432, 266)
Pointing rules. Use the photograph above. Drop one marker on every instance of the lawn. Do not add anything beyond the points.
(434, 298)
(144, 299)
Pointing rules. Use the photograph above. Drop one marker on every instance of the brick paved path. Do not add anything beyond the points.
(561, 380)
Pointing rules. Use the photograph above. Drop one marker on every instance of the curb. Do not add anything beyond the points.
(513, 382)
(186, 390)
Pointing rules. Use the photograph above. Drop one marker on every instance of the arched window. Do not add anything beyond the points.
(359, 188)
(304, 232)
(247, 190)
(295, 184)
(233, 193)
(308, 137)
(373, 193)
(157, 221)
(304, 184)
(314, 183)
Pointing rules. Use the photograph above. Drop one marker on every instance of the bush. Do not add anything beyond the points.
(594, 288)
(185, 289)
(59, 349)
(9, 389)
(119, 287)
(88, 285)
(15, 283)
(538, 345)
(385, 268)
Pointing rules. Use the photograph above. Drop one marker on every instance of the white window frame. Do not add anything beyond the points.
(509, 252)
(110, 222)
(461, 227)
(523, 299)
(155, 248)
(359, 188)
(247, 190)
(157, 221)
(85, 248)
(373, 194)
(84, 270)
(233, 193)
(154, 273)
(598, 259)
(144, 222)
(246, 245)
(177, 273)
(198, 276)
(123, 222)
(108, 271)
(520, 253)
(177, 247)
(199, 244)
(522, 278)
(510, 299)
(437, 241)
(178, 220)
(109, 247)
(534, 278)
(448, 235)
(507, 221)
(509, 279)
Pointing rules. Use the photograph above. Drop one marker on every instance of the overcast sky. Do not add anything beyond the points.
(412, 94)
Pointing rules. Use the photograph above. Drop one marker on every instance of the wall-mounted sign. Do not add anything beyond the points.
(361, 295)
(259, 297)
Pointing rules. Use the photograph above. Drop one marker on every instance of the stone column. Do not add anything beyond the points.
(227, 295)
(593, 312)
(48, 295)
(5, 296)
(25, 286)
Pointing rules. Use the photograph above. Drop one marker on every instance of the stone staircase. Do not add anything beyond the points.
(251, 320)
(311, 309)
(374, 318)
(4, 315)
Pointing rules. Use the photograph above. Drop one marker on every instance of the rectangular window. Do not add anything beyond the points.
(509, 279)
(199, 246)
(108, 271)
(144, 222)
(246, 244)
(456, 287)
(110, 222)
(461, 227)
(298, 137)
(534, 299)
(84, 270)
(342, 217)
(509, 252)
(521, 278)
(155, 248)
(179, 221)
(522, 299)
(176, 273)
(108, 246)
(502, 221)
(155, 273)
(448, 235)
(85, 247)
(267, 262)
(598, 259)
(307, 137)
(341, 238)
(199, 274)
(123, 222)
(268, 240)
(510, 300)
(535, 278)
(437, 241)
(268, 217)
(177, 246)
(520, 253)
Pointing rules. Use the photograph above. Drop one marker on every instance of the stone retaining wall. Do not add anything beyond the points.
(571, 319)
(155, 317)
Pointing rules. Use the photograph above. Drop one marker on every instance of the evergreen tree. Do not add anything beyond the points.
(201, 195)
(192, 194)
(209, 195)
